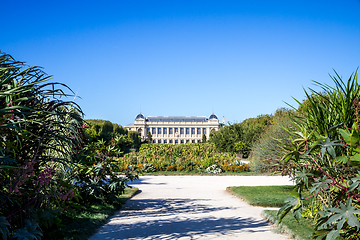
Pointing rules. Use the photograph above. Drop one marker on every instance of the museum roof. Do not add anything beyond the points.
(139, 116)
(176, 119)
(213, 116)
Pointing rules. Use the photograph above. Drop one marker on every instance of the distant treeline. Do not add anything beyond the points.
(244, 137)
(105, 130)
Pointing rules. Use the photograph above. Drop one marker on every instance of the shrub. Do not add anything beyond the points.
(323, 153)
(39, 134)
(265, 155)
(45, 166)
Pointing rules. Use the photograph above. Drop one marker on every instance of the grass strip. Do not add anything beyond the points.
(85, 223)
(300, 230)
(264, 196)
(274, 196)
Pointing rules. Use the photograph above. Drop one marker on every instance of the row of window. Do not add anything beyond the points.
(175, 141)
(165, 130)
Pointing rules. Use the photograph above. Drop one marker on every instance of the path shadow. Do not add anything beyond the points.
(176, 228)
(164, 207)
(144, 181)
(172, 219)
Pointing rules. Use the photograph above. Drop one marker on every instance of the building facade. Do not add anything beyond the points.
(175, 130)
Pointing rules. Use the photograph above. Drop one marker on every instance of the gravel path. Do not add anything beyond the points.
(191, 207)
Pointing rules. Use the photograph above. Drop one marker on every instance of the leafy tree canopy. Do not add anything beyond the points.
(241, 137)
(106, 131)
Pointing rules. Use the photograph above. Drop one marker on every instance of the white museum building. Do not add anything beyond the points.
(176, 129)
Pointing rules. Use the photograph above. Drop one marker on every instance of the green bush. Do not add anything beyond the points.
(226, 138)
(45, 166)
(40, 133)
(240, 137)
(265, 155)
(106, 131)
(324, 154)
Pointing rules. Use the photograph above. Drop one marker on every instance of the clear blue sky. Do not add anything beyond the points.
(237, 58)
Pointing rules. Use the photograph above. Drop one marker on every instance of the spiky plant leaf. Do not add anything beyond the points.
(4, 228)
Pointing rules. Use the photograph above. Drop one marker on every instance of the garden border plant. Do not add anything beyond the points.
(274, 196)
(86, 221)
(323, 153)
(45, 162)
(190, 157)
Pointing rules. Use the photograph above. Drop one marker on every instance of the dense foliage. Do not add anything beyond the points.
(103, 130)
(226, 138)
(200, 157)
(241, 137)
(265, 154)
(324, 154)
(253, 129)
(45, 165)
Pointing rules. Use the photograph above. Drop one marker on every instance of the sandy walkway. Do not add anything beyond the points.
(190, 207)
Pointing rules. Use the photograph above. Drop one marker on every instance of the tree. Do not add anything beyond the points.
(134, 136)
(248, 132)
(203, 138)
(239, 146)
(119, 129)
(149, 137)
(226, 137)
(103, 129)
(253, 128)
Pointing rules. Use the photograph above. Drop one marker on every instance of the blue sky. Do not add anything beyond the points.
(238, 58)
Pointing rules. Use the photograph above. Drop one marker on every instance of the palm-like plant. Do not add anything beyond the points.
(330, 107)
(324, 155)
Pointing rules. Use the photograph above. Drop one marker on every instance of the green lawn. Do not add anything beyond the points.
(86, 222)
(274, 196)
(302, 229)
(264, 196)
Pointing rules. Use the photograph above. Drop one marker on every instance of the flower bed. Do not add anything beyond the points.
(185, 157)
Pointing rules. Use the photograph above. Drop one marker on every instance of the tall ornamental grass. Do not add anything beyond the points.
(324, 152)
(265, 156)
(47, 170)
(323, 110)
(38, 133)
